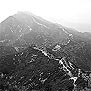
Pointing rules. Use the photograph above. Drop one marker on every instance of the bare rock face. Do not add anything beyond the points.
(38, 55)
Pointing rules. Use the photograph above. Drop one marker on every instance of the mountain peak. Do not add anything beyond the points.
(24, 28)
(34, 44)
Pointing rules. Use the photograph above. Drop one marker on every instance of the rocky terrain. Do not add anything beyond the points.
(38, 55)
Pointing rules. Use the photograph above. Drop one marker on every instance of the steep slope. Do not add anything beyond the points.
(32, 48)
(21, 30)
(35, 69)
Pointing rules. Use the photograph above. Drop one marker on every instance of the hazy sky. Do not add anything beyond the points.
(71, 11)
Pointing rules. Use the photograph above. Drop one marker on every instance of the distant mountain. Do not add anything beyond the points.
(23, 29)
(38, 55)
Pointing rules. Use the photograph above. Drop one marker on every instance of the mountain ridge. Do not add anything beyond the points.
(44, 34)
(37, 55)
